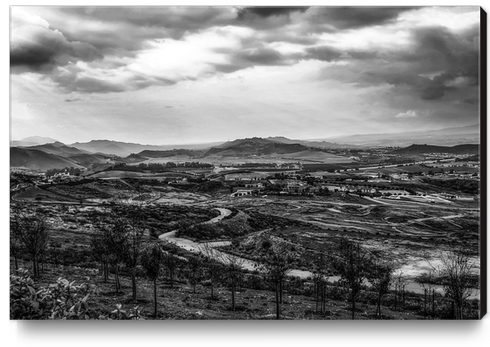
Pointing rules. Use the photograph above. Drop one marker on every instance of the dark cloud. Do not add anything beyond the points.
(126, 28)
(39, 48)
(331, 18)
(68, 79)
(73, 100)
(258, 56)
(439, 63)
(265, 11)
(324, 53)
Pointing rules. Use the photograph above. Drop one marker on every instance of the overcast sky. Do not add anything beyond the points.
(161, 75)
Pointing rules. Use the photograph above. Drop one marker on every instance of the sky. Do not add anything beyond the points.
(177, 75)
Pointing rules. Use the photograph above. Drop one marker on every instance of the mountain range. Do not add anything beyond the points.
(41, 153)
(421, 149)
(442, 137)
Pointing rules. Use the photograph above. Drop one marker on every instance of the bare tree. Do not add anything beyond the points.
(171, 263)
(352, 263)
(101, 252)
(124, 234)
(232, 273)
(213, 268)
(456, 273)
(32, 231)
(319, 278)
(134, 240)
(275, 263)
(194, 270)
(399, 284)
(151, 260)
(380, 275)
(113, 239)
(15, 245)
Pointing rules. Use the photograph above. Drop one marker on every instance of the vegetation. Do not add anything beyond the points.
(30, 231)
(152, 261)
(456, 271)
(353, 264)
(275, 264)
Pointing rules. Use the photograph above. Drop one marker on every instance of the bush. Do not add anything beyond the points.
(62, 300)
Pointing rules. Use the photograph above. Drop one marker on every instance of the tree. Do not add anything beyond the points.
(32, 231)
(134, 240)
(456, 273)
(275, 263)
(380, 276)
(15, 246)
(213, 268)
(352, 263)
(151, 260)
(194, 270)
(171, 263)
(399, 283)
(232, 273)
(319, 278)
(124, 237)
(112, 236)
(101, 252)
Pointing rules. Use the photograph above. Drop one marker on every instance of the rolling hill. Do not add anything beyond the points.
(269, 148)
(38, 160)
(123, 149)
(32, 141)
(442, 137)
(421, 149)
(169, 153)
(58, 148)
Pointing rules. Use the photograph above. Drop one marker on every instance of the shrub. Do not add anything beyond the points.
(61, 300)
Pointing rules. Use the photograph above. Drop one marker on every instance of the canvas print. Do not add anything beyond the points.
(291, 163)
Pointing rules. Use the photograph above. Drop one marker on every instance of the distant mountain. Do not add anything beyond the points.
(123, 149)
(442, 137)
(32, 141)
(89, 160)
(310, 143)
(282, 139)
(169, 153)
(38, 160)
(133, 158)
(246, 143)
(58, 148)
(421, 149)
(256, 146)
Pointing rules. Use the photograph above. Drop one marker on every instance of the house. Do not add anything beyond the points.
(246, 176)
(242, 192)
(258, 185)
(388, 192)
(331, 188)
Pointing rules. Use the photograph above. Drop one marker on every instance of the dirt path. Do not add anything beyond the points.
(200, 247)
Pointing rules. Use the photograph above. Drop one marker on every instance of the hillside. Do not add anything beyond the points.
(421, 149)
(123, 149)
(255, 147)
(32, 141)
(308, 143)
(88, 160)
(169, 153)
(38, 160)
(58, 148)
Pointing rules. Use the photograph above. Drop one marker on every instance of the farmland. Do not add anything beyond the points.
(412, 231)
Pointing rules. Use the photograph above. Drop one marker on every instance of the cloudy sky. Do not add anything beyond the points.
(174, 75)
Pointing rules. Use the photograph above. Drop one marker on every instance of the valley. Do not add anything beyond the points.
(408, 206)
